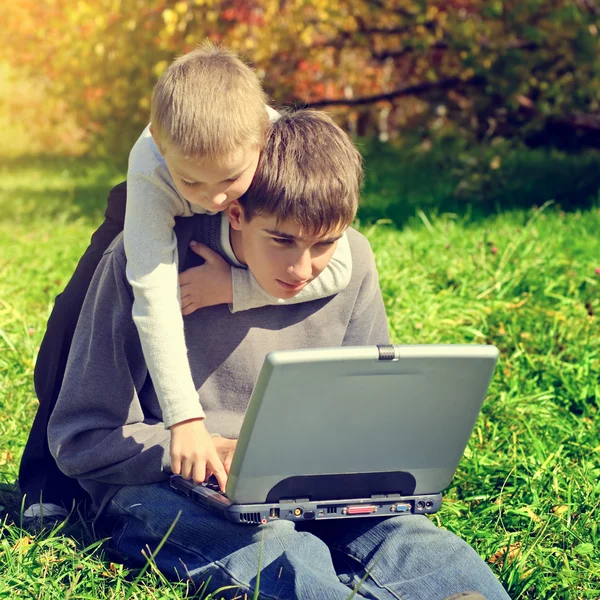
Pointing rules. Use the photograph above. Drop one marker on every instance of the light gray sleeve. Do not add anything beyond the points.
(99, 429)
(151, 249)
(248, 294)
(368, 324)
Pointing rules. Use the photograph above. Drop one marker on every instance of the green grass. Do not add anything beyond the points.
(527, 491)
(454, 175)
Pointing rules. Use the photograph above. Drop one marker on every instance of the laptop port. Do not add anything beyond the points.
(403, 507)
(309, 514)
(274, 513)
(366, 509)
(298, 511)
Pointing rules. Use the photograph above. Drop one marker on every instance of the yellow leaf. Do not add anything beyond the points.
(515, 305)
(306, 37)
(181, 7)
(169, 16)
(508, 553)
(529, 512)
(5, 457)
(431, 13)
(159, 68)
(495, 163)
(23, 544)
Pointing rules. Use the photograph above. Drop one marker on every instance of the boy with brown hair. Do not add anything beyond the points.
(285, 229)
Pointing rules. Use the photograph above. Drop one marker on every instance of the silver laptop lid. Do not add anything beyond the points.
(385, 410)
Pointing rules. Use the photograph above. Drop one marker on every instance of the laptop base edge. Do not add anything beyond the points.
(302, 510)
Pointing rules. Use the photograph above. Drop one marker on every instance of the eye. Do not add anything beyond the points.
(233, 180)
(327, 243)
(188, 183)
(283, 241)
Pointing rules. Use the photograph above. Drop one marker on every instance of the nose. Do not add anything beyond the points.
(301, 270)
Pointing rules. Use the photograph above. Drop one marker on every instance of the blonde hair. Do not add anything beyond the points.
(208, 104)
(309, 173)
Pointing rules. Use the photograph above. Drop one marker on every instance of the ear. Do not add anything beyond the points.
(235, 213)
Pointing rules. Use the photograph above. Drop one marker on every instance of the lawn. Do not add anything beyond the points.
(527, 492)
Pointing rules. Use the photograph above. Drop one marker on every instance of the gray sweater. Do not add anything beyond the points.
(107, 428)
(153, 202)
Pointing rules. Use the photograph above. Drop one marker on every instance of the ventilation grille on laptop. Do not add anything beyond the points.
(252, 517)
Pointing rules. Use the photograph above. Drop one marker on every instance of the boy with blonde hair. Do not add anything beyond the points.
(300, 203)
(208, 124)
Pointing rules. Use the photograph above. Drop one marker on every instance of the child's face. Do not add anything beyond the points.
(281, 258)
(210, 185)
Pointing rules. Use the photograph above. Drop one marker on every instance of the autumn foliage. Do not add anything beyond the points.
(494, 66)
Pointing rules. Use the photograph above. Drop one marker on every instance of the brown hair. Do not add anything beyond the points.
(309, 172)
(208, 104)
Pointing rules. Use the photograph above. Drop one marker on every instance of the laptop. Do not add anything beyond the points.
(338, 433)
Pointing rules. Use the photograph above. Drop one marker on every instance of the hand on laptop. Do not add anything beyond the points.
(225, 449)
(194, 455)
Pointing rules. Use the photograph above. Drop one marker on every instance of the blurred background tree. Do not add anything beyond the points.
(474, 71)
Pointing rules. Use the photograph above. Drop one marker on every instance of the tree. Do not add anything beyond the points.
(493, 66)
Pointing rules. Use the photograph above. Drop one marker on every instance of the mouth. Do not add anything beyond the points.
(291, 287)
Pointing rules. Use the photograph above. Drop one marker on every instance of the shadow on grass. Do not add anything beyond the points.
(449, 176)
(56, 188)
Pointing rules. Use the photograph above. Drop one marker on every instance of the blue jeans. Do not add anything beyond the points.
(407, 557)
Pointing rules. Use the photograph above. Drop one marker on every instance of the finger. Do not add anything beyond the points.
(204, 251)
(227, 463)
(186, 469)
(199, 471)
(189, 309)
(175, 465)
(188, 275)
(219, 472)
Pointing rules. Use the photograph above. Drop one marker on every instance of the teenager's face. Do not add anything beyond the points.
(282, 259)
(212, 186)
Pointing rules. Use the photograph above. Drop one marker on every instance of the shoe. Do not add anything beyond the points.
(43, 516)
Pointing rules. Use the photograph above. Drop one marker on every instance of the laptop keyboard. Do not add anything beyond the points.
(213, 484)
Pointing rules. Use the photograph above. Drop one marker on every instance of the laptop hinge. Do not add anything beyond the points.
(387, 352)
(293, 500)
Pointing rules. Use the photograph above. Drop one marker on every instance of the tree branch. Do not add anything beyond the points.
(409, 90)
(406, 50)
(510, 45)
